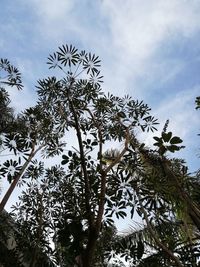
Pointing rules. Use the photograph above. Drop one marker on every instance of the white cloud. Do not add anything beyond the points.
(51, 20)
(181, 111)
(140, 28)
(184, 122)
(51, 10)
(126, 34)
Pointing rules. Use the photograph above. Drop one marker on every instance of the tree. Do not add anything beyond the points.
(77, 103)
(71, 205)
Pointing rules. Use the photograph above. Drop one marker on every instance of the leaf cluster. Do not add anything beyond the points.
(167, 142)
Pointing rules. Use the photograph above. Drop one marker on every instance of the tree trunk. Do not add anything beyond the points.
(88, 255)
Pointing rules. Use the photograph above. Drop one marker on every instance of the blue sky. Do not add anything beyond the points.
(150, 49)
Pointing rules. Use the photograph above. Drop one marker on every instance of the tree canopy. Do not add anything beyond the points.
(67, 211)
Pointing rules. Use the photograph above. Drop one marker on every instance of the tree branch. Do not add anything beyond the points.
(17, 178)
(83, 163)
(100, 152)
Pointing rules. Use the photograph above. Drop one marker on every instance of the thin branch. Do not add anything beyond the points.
(76, 69)
(62, 69)
(121, 154)
(100, 152)
(79, 73)
(17, 178)
(12, 84)
(83, 163)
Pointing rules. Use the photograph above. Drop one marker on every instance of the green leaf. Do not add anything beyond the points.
(140, 249)
(94, 143)
(65, 159)
(121, 114)
(197, 102)
(158, 139)
(166, 136)
(173, 148)
(132, 212)
(88, 141)
(157, 144)
(176, 140)
(133, 251)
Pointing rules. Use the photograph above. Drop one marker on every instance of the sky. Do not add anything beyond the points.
(149, 49)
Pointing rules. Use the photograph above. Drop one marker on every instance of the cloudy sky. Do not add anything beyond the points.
(150, 49)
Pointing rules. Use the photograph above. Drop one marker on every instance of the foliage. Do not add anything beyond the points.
(77, 103)
(171, 233)
(10, 74)
(16, 250)
(22, 137)
(167, 143)
(74, 206)
(197, 101)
